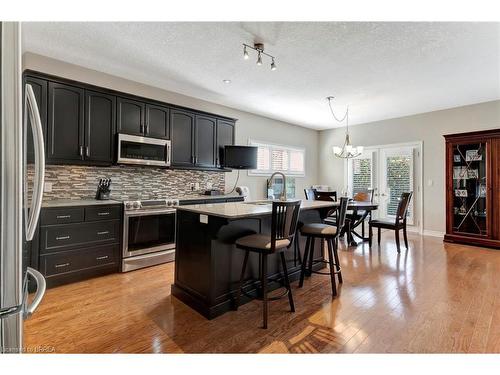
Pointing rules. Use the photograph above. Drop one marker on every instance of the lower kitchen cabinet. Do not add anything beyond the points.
(79, 242)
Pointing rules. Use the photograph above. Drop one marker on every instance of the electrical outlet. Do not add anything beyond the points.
(191, 186)
(47, 187)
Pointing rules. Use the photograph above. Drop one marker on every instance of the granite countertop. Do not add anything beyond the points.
(94, 202)
(77, 202)
(239, 210)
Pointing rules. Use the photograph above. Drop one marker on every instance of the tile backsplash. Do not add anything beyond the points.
(127, 182)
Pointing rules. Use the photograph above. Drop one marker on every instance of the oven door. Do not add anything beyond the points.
(133, 149)
(147, 232)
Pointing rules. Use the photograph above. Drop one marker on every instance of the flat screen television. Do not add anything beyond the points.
(240, 157)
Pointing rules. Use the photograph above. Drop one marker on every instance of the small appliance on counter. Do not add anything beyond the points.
(213, 192)
(103, 189)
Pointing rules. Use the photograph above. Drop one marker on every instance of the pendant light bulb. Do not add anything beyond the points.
(273, 65)
(245, 53)
(259, 59)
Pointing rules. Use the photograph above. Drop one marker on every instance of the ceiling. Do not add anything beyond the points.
(382, 70)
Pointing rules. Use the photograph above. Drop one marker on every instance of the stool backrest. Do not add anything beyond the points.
(342, 211)
(403, 206)
(284, 221)
(310, 194)
(326, 196)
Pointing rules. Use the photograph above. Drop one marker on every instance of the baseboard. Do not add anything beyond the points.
(433, 233)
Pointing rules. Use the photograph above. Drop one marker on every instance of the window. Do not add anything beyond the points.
(277, 158)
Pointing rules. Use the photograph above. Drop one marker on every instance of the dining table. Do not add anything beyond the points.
(358, 212)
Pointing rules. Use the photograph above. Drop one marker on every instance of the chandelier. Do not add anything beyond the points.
(347, 151)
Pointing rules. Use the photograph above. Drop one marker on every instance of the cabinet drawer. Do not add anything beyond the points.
(61, 237)
(63, 215)
(75, 260)
(102, 213)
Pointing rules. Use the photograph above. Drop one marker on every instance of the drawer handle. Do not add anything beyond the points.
(63, 216)
(102, 258)
(62, 265)
(104, 232)
(63, 238)
(102, 213)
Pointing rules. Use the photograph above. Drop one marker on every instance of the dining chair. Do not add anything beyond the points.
(399, 223)
(310, 194)
(284, 220)
(361, 195)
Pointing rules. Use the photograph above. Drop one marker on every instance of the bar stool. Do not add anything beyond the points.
(330, 234)
(284, 220)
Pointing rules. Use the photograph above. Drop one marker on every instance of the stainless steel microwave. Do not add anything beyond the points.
(134, 149)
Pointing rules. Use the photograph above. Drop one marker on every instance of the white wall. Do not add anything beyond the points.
(247, 126)
(426, 127)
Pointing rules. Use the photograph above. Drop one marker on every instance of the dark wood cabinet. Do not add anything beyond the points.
(79, 242)
(100, 112)
(130, 116)
(204, 139)
(225, 137)
(182, 136)
(473, 188)
(65, 138)
(157, 121)
(81, 121)
(39, 87)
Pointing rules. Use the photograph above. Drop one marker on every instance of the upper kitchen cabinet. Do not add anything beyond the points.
(182, 137)
(157, 121)
(130, 116)
(225, 137)
(39, 87)
(205, 137)
(100, 112)
(65, 138)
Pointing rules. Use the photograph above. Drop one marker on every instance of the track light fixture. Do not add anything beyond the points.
(259, 47)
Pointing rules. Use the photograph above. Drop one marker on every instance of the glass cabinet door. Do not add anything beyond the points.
(470, 187)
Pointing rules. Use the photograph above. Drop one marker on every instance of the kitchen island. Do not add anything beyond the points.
(207, 262)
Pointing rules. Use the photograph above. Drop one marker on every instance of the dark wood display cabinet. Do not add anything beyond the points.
(473, 188)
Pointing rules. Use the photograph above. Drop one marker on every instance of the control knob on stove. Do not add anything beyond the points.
(137, 204)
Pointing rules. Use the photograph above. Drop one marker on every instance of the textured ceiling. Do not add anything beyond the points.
(382, 70)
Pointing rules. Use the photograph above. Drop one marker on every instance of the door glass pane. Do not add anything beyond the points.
(362, 170)
(399, 175)
(469, 189)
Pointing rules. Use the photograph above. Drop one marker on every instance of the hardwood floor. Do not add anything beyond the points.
(434, 297)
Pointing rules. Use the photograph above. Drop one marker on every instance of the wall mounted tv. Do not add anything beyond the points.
(240, 157)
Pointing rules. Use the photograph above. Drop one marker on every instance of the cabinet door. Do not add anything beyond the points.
(225, 137)
(182, 134)
(205, 141)
(65, 127)
(40, 89)
(157, 121)
(130, 116)
(99, 127)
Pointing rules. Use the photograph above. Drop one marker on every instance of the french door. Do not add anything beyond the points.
(390, 170)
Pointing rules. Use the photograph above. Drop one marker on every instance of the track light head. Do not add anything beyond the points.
(245, 53)
(259, 59)
(273, 65)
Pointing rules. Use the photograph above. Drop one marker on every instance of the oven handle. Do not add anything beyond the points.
(149, 213)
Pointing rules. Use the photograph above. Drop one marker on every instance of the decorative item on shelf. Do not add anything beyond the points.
(259, 47)
(472, 173)
(459, 173)
(456, 158)
(473, 155)
(103, 189)
(462, 210)
(461, 193)
(481, 190)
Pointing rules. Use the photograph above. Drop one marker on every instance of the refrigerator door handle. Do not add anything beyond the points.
(38, 182)
(40, 292)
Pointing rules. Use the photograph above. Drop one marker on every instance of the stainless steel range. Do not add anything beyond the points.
(148, 233)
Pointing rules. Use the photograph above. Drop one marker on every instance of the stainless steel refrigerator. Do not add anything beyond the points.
(20, 197)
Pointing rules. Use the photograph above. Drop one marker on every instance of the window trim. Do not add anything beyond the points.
(288, 148)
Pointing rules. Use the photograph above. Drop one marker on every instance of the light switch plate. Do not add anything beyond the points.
(204, 219)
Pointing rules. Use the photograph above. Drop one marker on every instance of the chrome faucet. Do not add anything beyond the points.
(270, 182)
